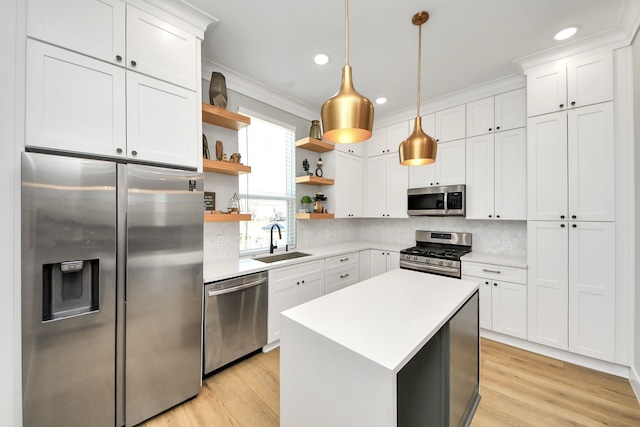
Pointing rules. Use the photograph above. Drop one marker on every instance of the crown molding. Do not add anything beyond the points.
(248, 87)
(193, 20)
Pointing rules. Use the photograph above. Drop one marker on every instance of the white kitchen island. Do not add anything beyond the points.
(399, 349)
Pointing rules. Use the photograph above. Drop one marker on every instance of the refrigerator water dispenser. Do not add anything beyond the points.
(70, 288)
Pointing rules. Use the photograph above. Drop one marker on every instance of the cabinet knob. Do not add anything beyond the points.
(495, 284)
(119, 150)
(486, 283)
(573, 216)
(134, 152)
(303, 281)
(561, 225)
(431, 183)
(497, 127)
(490, 129)
(574, 225)
(437, 183)
(489, 216)
(561, 216)
(561, 105)
(297, 283)
(133, 63)
(573, 102)
(118, 58)
(497, 216)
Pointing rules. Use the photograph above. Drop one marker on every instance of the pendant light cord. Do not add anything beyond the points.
(346, 14)
(419, 63)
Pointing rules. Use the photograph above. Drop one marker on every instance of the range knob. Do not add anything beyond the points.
(440, 262)
(415, 258)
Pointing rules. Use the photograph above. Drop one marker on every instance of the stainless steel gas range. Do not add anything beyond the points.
(437, 252)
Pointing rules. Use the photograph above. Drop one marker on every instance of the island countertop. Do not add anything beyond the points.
(387, 318)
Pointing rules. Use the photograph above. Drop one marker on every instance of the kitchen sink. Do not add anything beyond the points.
(281, 257)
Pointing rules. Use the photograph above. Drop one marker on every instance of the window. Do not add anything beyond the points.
(269, 191)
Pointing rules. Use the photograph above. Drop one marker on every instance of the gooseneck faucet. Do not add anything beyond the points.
(271, 245)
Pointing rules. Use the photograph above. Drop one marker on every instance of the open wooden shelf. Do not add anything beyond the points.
(313, 180)
(227, 168)
(313, 144)
(315, 216)
(221, 117)
(226, 217)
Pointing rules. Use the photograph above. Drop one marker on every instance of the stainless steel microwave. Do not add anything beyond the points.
(448, 200)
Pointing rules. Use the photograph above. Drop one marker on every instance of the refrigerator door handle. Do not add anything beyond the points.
(236, 288)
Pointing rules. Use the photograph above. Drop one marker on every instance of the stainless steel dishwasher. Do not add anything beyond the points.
(235, 319)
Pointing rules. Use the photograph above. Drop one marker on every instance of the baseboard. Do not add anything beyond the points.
(270, 346)
(634, 379)
(576, 359)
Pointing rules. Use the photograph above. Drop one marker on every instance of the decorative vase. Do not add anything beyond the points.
(218, 90)
(315, 131)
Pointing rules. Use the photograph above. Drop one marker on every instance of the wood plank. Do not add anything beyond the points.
(315, 216)
(313, 180)
(316, 145)
(227, 168)
(220, 117)
(226, 217)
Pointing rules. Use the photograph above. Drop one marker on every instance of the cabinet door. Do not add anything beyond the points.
(308, 288)
(480, 177)
(429, 124)
(396, 134)
(591, 163)
(546, 88)
(480, 117)
(356, 186)
(450, 163)
(393, 260)
(93, 27)
(342, 188)
(509, 309)
(397, 184)
(73, 102)
(511, 111)
(376, 187)
(377, 144)
(590, 80)
(423, 176)
(510, 174)
(484, 290)
(547, 167)
(450, 124)
(547, 283)
(161, 122)
(282, 296)
(365, 264)
(592, 286)
(378, 262)
(356, 148)
(159, 49)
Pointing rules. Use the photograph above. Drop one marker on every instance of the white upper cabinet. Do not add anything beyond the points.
(387, 140)
(161, 50)
(377, 144)
(480, 117)
(74, 103)
(93, 27)
(97, 28)
(450, 124)
(349, 184)
(386, 187)
(448, 169)
(562, 85)
(356, 148)
(495, 114)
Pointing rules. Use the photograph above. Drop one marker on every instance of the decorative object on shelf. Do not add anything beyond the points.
(315, 131)
(205, 147)
(305, 166)
(235, 158)
(224, 157)
(209, 201)
(218, 90)
(347, 116)
(306, 201)
(319, 167)
(219, 150)
(317, 206)
(419, 148)
(234, 204)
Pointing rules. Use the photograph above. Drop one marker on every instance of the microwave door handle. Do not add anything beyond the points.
(446, 202)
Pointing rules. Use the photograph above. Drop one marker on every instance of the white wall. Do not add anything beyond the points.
(10, 401)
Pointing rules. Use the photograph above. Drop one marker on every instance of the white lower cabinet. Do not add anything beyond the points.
(571, 295)
(341, 271)
(503, 297)
(365, 264)
(383, 261)
(289, 287)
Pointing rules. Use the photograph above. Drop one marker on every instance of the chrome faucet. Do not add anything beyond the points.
(271, 245)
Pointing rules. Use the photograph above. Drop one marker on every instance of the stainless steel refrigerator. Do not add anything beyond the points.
(111, 290)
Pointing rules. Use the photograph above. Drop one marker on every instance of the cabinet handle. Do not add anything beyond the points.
(134, 152)
(495, 284)
(118, 58)
(344, 275)
(573, 216)
(561, 216)
(561, 105)
(119, 150)
(497, 127)
(573, 102)
(431, 183)
(437, 183)
(561, 225)
(133, 63)
(574, 225)
(486, 270)
(344, 259)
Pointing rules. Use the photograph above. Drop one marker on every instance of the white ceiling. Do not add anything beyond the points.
(465, 42)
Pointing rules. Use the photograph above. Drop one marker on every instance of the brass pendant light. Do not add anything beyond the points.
(419, 149)
(347, 116)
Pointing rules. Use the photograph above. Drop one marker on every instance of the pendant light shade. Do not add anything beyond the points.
(347, 116)
(419, 148)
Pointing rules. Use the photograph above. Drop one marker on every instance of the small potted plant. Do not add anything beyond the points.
(306, 201)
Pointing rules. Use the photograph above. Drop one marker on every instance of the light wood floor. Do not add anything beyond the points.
(518, 388)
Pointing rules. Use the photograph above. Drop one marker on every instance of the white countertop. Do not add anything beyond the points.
(504, 260)
(220, 270)
(387, 318)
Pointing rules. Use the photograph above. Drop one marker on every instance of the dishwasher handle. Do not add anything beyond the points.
(237, 288)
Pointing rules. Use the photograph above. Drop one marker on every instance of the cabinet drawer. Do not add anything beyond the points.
(342, 260)
(286, 273)
(495, 272)
(341, 277)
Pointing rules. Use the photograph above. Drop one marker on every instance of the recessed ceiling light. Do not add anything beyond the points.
(565, 34)
(381, 100)
(321, 59)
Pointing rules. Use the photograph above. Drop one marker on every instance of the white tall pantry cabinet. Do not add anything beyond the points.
(571, 206)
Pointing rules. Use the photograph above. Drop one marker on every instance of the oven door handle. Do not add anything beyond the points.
(426, 267)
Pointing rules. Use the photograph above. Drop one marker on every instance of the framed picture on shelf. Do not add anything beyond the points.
(209, 201)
